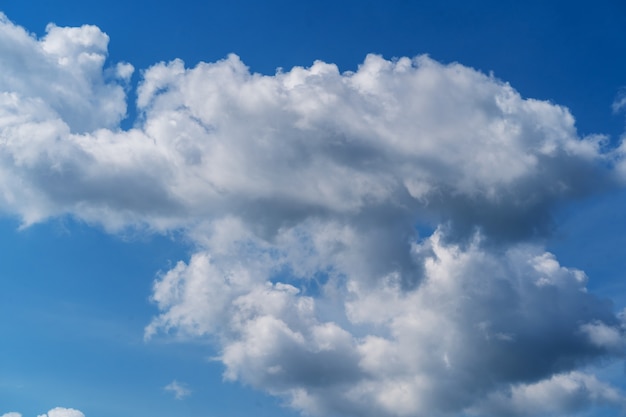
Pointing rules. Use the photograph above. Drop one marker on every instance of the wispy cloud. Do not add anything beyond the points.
(179, 389)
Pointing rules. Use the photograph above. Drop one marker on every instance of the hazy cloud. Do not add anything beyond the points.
(179, 389)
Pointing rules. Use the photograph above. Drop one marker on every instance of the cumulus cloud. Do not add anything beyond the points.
(303, 192)
(62, 412)
(561, 394)
(55, 412)
(179, 389)
(62, 74)
(443, 143)
(481, 323)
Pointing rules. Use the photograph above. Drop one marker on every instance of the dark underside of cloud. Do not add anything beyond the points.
(303, 192)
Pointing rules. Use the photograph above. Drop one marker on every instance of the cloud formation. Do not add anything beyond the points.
(561, 394)
(179, 390)
(311, 196)
(55, 412)
(63, 412)
(429, 141)
(484, 329)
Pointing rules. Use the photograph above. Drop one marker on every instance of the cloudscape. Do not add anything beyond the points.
(360, 242)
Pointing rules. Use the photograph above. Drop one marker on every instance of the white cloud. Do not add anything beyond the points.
(63, 73)
(301, 191)
(562, 394)
(63, 412)
(179, 389)
(481, 322)
(445, 143)
(55, 412)
(609, 337)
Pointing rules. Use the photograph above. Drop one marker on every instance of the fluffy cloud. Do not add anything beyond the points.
(304, 192)
(62, 75)
(55, 412)
(561, 394)
(429, 142)
(483, 324)
(63, 412)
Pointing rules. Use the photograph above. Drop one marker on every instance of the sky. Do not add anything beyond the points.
(335, 209)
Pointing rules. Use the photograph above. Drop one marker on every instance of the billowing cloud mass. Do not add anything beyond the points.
(366, 242)
(12, 414)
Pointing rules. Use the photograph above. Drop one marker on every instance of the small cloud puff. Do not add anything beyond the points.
(55, 412)
(179, 389)
(63, 412)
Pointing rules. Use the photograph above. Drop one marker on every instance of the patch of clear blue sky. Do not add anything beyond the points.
(74, 303)
(74, 300)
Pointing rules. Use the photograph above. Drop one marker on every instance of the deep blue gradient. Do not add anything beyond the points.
(569, 52)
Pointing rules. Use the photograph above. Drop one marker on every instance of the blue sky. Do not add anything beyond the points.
(386, 237)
